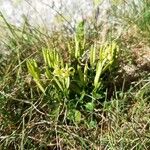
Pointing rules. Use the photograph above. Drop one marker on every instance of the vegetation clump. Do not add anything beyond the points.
(65, 90)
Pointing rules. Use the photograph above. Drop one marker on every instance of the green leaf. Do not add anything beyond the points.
(98, 73)
(77, 54)
(80, 31)
(67, 82)
(59, 84)
(48, 73)
(80, 39)
(44, 55)
(85, 73)
(77, 116)
(39, 85)
(92, 55)
(35, 72)
(90, 106)
(92, 124)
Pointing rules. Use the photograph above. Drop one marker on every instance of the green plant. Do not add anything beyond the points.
(81, 78)
(67, 104)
